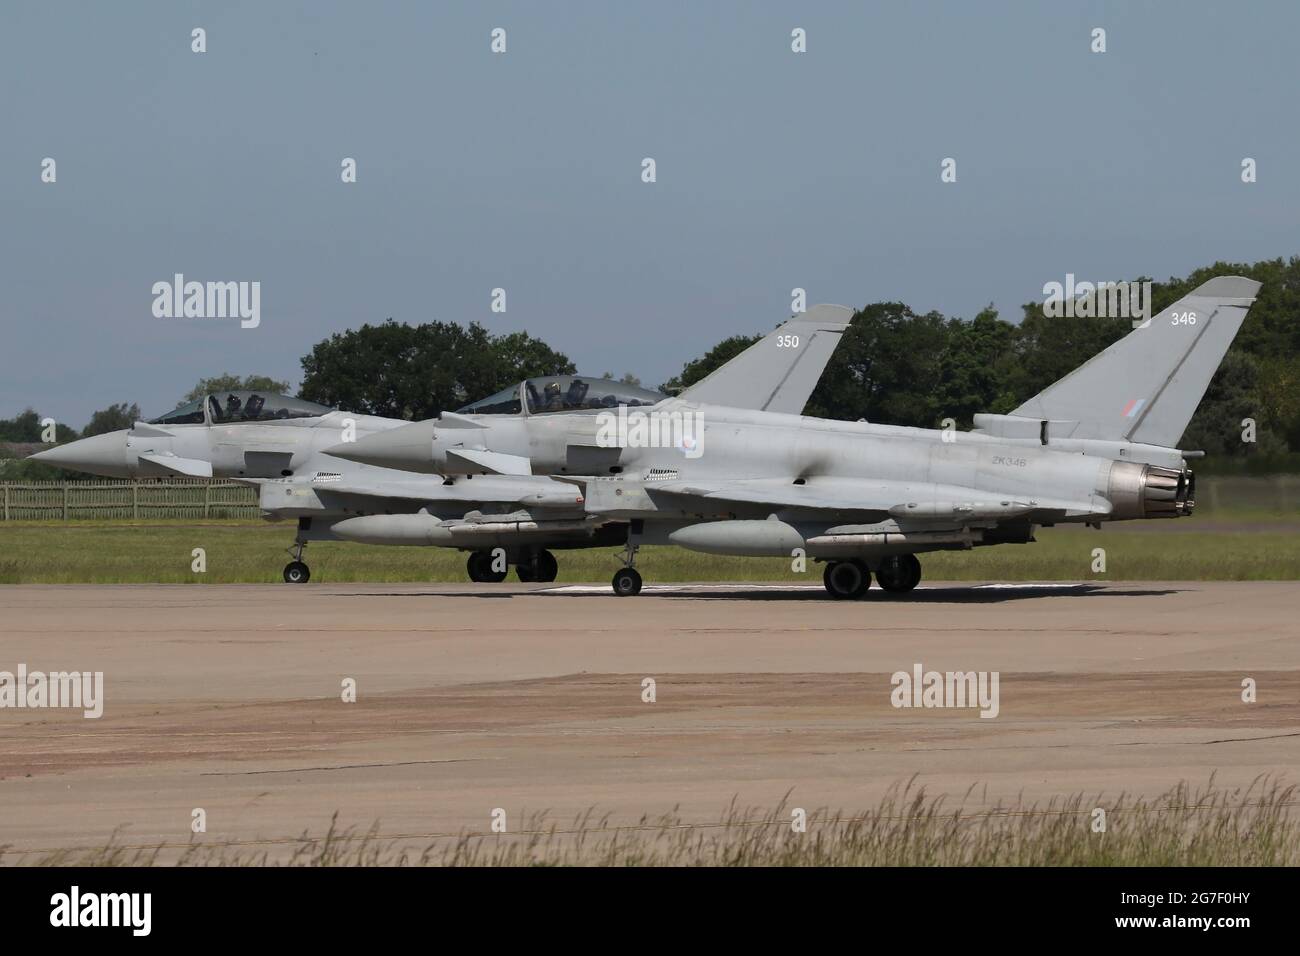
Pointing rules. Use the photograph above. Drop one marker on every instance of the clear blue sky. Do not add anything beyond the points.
(522, 170)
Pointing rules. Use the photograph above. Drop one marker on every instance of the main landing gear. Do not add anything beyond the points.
(539, 566)
(899, 573)
(296, 572)
(491, 567)
(848, 580)
(481, 570)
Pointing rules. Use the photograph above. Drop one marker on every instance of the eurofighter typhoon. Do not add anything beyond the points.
(488, 504)
(701, 472)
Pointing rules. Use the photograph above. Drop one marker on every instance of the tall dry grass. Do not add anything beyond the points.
(1185, 826)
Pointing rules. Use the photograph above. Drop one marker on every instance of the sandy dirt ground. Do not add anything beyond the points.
(475, 697)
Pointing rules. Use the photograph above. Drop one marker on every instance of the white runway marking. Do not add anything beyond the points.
(751, 586)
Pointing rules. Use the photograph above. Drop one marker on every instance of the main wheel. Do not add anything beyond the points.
(479, 566)
(537, 566)
(627, 582)
(295, 572)
(915, 577)
(899, 573)
(846, 579)
(547, 567)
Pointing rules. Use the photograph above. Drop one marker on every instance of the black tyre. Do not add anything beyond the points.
(295, 572)
(846, 580)
(479, 567)
(915, 577)
(489, 574)
(899, 573)
(547, 567)
(627, 582)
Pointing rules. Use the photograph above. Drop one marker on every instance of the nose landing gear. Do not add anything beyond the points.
(296, 571)
(627, 580)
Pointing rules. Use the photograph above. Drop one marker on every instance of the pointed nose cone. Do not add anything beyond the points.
(407, 447)
(99, 455)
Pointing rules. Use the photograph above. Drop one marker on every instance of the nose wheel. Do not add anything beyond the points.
(627, 580)
(296, 571)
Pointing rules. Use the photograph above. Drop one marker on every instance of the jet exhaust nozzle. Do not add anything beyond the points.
(1150, 491)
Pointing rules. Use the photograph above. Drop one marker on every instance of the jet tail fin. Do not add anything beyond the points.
(1145, 387)
(779, 371)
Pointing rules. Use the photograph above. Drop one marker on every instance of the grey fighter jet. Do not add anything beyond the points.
(492, 506)
(698, 472)
(276, 444)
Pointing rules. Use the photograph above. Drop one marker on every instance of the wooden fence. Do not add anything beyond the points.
(109, 498)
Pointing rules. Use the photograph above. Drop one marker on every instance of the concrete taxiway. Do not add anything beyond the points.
(530, 698)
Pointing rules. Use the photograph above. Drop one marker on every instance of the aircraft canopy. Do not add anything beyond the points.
(563, 393)
(240, 405)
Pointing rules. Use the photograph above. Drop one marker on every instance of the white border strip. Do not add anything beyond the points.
(752, 586)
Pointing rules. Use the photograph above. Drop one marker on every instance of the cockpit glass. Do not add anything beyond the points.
(563, 393)
(504, 402)
(191, 413)
(242, 406)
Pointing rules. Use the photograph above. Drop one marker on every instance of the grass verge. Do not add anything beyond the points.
(161, 552)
